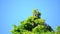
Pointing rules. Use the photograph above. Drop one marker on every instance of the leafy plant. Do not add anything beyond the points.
(34, 25)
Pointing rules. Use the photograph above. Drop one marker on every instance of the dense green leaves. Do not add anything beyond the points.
(34, 25)
(36, 13)
(58, 30)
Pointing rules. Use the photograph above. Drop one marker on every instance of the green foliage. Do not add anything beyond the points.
(34, 25)
(58, 30)
(36, 13)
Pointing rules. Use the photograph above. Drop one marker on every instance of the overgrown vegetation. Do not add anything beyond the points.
(34, 25)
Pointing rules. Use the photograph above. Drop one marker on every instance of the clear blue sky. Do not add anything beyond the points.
(14, 11)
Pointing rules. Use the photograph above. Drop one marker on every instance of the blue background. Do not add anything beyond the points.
(14, 11)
